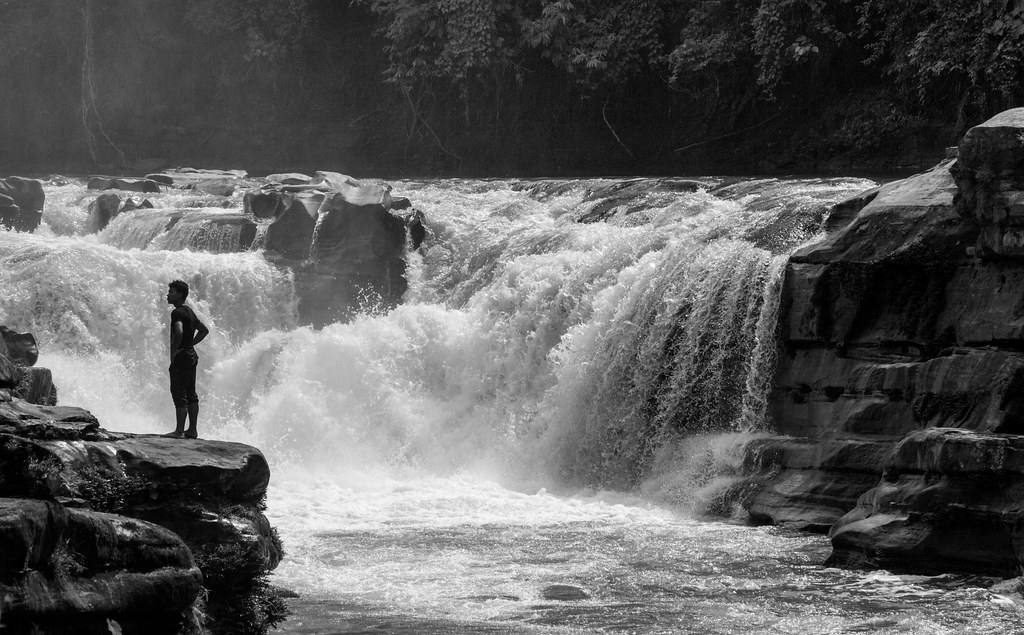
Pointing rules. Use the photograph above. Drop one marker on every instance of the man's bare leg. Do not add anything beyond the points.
(193, 419)
(179, 423)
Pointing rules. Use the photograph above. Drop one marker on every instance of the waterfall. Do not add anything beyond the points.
(262, 228)
(531, 347)
(314, 243)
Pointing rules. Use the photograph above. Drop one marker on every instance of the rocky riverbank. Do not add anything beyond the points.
(113, 532)
(901, 368)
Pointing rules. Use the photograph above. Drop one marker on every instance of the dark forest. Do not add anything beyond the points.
(501, 88)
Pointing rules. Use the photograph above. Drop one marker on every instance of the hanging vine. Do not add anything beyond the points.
(89, 91)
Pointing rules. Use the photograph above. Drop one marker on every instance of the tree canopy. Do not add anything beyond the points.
(554, 84)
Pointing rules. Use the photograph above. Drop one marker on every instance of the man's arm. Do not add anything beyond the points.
(201, 331)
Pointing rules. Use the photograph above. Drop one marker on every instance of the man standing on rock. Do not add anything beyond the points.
(186, 331)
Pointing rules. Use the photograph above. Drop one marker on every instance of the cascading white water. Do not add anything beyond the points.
(413, 450)
(314, 243)
(99, 314)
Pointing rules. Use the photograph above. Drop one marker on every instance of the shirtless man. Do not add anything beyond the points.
(187, 330)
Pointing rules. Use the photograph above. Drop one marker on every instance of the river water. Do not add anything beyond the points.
(541, 438)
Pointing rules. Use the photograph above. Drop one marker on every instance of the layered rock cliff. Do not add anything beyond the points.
(112, 532)
(900, 380)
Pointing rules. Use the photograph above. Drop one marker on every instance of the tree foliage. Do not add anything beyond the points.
(272, 30)
(948, 48)
(591, 80)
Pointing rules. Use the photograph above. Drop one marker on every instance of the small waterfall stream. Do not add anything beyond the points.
(555, 403)
(314, 243)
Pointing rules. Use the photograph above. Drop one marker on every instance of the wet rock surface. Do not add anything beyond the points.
(563, 593)
(901, 367)
(21, 203)
(345, 240)
(123, 183)
(99, 525)
(341, 237)
(72, 570)
(949, 499)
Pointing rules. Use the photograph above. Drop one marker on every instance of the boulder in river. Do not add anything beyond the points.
(217, 182)
(21, 203)
(102, 210)
(290, 219)
(341, 238)
(564, 593)
(357, 255)
(288, 178)
(123, 183)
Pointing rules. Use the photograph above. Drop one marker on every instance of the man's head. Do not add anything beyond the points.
(177, 292)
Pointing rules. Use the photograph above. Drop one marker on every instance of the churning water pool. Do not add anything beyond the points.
(461, 556)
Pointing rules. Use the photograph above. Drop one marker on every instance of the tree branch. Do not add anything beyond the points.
(417, 116)
(730, 134)
(604, 115)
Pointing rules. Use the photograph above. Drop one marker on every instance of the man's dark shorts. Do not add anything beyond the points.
(183, 378)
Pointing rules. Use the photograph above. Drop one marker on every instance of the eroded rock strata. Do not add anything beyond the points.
(99, 525)
(900, 380)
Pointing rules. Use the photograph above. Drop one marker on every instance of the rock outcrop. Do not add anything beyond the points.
(130, 528)
(65, 570)
(19, 376)
(905, 321)
(288, 219)
(949, 500)
(357, 255)
(21, 203)
(102, 210)
(342, 239)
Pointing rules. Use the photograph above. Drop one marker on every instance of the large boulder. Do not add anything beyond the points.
(78, 571)
(102, 210)
(343, 238)
(19, 377)
(286, 219)
(210, 493)
(21, 203)
(19, 347)
(204, 490)
(357, 255)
